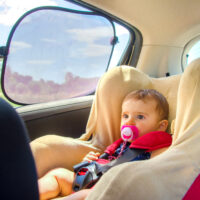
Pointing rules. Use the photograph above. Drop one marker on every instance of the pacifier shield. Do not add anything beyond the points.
(129, 132)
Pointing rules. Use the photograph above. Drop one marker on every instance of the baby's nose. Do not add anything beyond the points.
(130, 122)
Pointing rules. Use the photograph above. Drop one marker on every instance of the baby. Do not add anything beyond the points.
(147, 110)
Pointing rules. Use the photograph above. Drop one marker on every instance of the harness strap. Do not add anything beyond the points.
(87, 174)
(91, 172)
(127, 156)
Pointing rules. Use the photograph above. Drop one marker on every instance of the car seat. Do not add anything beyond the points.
(103, 126)
(18, 175)
(167, 176)
(173, 174)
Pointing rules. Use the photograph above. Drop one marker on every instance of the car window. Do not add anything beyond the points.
(52, 59)
(191, 52)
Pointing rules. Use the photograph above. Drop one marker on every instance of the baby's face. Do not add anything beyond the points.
(141, 114)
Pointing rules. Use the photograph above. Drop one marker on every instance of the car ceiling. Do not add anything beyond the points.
(166, 26)
(169, 22)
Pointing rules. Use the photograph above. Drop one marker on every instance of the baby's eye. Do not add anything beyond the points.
(140, 117)
(125, 116)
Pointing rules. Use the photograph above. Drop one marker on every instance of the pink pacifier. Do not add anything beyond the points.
(129, 132)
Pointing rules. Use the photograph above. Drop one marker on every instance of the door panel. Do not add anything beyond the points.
(65, 118)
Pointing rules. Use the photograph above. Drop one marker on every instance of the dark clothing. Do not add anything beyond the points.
(17, 170)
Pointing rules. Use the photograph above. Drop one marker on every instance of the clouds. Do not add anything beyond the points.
(40, 62)
(90, 35)
(93, 50)
(17, 45)
(11, 10)
(48, 40)
(89, 40)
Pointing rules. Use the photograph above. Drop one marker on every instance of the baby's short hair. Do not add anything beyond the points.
(146, 94)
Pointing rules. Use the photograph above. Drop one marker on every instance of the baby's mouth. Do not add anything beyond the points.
(126, 137)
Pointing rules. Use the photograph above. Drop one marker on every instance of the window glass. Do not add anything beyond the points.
(56, 55)
(78, 77)
(192, 52)
(123, 37)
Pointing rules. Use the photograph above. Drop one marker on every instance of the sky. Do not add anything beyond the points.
(11, 10)
(39, 50)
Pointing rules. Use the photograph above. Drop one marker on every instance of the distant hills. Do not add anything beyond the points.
(24, 89)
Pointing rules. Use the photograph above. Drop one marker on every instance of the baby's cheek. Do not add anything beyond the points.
(141, 130)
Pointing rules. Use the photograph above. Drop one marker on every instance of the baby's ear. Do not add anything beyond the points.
(163, 125)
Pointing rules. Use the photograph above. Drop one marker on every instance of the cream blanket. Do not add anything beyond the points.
(167, 176)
